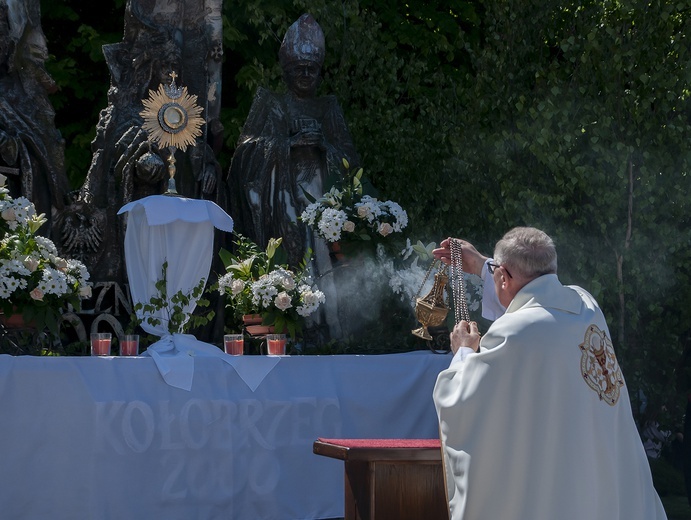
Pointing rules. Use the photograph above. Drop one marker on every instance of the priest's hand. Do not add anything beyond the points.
(465, 334)
(471, 257)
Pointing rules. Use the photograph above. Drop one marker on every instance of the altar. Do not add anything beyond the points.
(107, 438)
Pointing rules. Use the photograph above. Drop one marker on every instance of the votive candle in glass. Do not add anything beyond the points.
(100, 343)
(129, 345)
(234, 344)
(276, 344)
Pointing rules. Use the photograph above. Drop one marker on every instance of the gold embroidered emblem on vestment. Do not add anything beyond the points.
(599, 365)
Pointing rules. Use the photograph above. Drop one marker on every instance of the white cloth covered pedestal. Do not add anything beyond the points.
(179, 231)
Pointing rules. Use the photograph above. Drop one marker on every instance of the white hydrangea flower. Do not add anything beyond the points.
(281, 277)
(224, 282)
(46, 247)
(53, 281)
(14, 267)
(310, 213)
(310, 299)
(263, 291)
(79, 270)
(23, 210)
(11, 284)
(396, 211)
(368, 209)
(331, 224)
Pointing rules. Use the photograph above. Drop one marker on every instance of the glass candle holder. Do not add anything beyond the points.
(100, 343)
(276, 344)
(129, 345)
(234, 344)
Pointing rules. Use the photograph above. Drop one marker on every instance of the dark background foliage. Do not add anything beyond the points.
(477, 116)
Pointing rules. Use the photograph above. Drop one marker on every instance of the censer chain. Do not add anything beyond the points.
(460, 307)
(424, 281)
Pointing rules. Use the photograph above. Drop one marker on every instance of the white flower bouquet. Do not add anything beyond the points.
(255, 283)
(34, 280)
(347, 214)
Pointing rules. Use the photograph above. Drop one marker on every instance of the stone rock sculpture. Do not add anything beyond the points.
(160, 37)
(31, 148)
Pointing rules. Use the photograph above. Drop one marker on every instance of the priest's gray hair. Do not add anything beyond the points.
(527, 251)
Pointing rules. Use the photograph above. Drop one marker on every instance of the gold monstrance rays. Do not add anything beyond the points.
(172, 119)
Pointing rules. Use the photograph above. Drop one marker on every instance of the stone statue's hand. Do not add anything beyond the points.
(208, 181)
(130, 140)
(149, 167)
(311, 138)
(9, 150)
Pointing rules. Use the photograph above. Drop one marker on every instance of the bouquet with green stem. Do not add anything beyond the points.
(34, 280)
(346, 213)
(259, 281)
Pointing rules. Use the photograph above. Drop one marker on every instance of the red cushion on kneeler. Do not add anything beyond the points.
(384, 443)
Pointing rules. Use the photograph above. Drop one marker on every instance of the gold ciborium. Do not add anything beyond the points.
(431, 310)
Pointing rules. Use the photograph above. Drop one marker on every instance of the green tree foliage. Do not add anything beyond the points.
(76, 33)
(581, 127)
(477, 116)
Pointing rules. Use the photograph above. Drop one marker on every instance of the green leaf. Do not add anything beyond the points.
(226, 257)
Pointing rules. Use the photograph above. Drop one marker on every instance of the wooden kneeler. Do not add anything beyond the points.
(390, 478)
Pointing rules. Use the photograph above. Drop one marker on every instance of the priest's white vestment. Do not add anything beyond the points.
(538, 424)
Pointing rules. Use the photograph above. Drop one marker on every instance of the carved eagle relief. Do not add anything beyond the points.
(82, 229)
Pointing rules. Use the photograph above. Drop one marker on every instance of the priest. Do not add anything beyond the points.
(535, 419)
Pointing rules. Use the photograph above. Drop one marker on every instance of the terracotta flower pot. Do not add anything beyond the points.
(335, 252)
(15, 321)
(259, 330)
(252, 319)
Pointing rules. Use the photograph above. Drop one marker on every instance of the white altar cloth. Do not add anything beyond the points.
(106, 438)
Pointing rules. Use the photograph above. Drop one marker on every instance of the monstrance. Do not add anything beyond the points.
(432, 309)
(172, 120)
